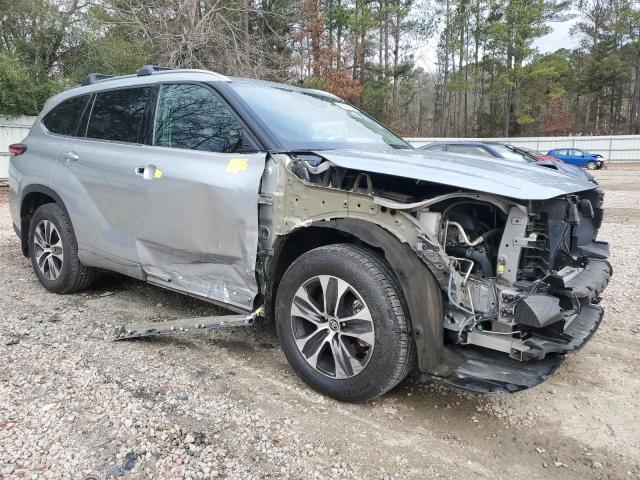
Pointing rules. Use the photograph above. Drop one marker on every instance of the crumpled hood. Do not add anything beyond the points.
(507, 178)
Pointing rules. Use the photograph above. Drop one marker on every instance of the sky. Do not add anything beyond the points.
(559, 37)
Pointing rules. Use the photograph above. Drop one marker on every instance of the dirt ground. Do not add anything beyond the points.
(226, 404)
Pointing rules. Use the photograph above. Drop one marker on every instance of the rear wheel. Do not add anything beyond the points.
(54, 252)
(592, 165)
(342, 323)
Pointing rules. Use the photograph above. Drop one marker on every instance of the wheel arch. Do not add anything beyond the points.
(424, 303)
(33, 197)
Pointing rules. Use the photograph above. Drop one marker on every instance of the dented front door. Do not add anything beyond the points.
(198, 232)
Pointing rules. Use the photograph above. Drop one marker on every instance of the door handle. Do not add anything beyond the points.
(70, 156)
(148, 172)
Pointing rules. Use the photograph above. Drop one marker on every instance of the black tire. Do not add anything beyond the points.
(393, 354)
(73, 276)
(592, 165)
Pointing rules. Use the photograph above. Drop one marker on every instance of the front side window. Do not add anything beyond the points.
(63, 119)
(193, 117)
(118, 115)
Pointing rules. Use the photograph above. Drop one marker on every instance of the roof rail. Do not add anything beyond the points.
(151, 69)
(94, 77)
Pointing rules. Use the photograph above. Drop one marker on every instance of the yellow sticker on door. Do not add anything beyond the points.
(236, 165)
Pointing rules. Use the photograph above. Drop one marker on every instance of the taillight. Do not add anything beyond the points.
(17, 149)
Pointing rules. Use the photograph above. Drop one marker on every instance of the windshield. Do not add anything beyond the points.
(509, 154)
(304, 120)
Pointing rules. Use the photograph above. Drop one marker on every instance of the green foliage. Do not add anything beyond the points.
(21, 91)
(491, 80)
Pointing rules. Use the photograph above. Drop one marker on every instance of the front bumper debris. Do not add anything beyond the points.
(579, 331)
(486, 371)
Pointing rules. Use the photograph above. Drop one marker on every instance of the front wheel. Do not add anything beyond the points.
(592, 165)
(343, 324)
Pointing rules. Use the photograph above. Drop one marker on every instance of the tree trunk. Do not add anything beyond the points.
(396, 57)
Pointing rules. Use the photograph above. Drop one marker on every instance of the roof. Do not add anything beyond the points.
(151, 74)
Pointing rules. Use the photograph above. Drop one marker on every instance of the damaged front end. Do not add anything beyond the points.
(542, 300)
(520, 279)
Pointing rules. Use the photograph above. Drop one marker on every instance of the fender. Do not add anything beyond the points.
(421, 291)
(25, 215)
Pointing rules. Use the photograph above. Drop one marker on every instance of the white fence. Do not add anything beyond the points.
(12, 130)
(615, 148)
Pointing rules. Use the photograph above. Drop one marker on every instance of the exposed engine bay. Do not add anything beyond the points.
(519, 277)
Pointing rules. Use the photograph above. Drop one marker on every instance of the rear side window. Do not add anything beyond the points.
(118, 115)
(63, 119)
(193, 117)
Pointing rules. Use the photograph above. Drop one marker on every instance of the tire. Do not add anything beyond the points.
(63, 273)
(592, 165)
(371, 306)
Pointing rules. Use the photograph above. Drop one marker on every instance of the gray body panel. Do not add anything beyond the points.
(495, 176)
(200, 223)
(194, 228)
(33, 168)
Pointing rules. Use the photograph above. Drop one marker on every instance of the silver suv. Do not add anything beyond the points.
(291, 205)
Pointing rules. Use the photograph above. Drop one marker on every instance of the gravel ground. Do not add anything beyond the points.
(74, 404)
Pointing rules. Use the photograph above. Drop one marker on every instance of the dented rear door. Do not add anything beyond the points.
(198, 232)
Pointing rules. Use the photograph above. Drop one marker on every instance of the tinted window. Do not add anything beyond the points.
(118, 115)
(193, 117)
(469, 150)
(64, 118)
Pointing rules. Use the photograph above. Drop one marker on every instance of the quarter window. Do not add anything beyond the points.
(64, 118)
(193, 117)
(118, 115)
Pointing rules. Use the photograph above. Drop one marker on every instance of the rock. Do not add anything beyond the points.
(129, 461)
(189, 438)
(596, 465)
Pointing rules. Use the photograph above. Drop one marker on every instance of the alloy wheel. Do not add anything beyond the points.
(332, 327)
(48, 249)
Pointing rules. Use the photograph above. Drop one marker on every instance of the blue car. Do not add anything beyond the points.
(578, 157)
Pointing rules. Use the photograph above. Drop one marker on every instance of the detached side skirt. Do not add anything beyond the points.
(151, 329)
